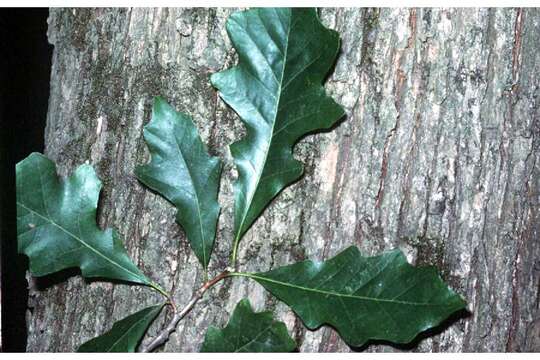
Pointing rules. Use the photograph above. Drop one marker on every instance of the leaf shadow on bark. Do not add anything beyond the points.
(437, 330)
(43, 282)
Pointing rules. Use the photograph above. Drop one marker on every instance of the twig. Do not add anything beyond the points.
(164, 334)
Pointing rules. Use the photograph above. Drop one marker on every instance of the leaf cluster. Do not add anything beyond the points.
(277, 91)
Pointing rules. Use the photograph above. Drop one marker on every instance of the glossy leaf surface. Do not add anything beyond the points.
(381, 297)
(125, 334)
(182, 171)
(276, 89)
(56, 224)
(248, 331)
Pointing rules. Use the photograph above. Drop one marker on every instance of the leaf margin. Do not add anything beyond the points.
(219, 81)
(459, 304)
(92, 188)
(162, 112)
(150, 313)
(244, 308)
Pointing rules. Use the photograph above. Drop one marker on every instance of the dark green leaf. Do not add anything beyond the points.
(125, 334)
(248, 331)
(381, 297)
(182, 171)
(56, 224)
(284, 55)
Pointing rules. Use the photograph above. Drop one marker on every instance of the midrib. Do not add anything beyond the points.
(81, 241)
(201, 229)
(331, 293)
(254, 339)
(129, 329)
(267, 150)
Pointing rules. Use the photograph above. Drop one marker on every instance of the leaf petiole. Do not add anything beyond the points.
(164, 334)
(235, 250)
(160, 290)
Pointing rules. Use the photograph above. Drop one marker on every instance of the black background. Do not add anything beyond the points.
(25, 65)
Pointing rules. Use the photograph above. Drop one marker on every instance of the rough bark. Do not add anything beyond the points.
(438, 155)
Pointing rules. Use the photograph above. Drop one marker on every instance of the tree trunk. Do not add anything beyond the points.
(438, 155)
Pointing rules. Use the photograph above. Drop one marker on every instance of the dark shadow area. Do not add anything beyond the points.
(410, 346)
(59, 277)
(439, 329)
(24, 93)
(44, 282)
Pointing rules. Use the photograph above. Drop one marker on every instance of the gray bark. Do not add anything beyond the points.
(438, 155)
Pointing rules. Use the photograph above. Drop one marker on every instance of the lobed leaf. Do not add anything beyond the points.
(248, 331)
(56, 224)
(125, 334)
(380, 298)
(284, 55)
(182, 171)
